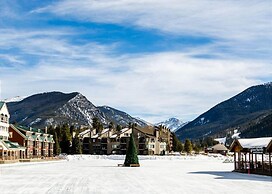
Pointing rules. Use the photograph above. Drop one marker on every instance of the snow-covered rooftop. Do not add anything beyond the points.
(95, 136)
(124, 130)
(84, 132)
(221, 140)
(113, 136)
(255, 142)
(105, 130)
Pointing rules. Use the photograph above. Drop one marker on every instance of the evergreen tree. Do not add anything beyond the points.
(72, 130)
(111, 125)
(188, 146)
(131, 155)
(118, 128)
(95, 122)
(76, 145)
(51, 130)
(177, 145)
(97, 125)
(197, 147)
(57, 148)
(66, 141)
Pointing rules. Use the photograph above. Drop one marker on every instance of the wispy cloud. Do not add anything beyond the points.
(165, 83)
(244, 23)
(153, 85)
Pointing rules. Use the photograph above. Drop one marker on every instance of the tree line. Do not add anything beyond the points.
(67, 139)
(188, 146)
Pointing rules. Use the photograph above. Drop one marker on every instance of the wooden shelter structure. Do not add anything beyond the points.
(253, 155)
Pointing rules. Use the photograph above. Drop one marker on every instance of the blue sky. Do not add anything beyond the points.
(154, 60)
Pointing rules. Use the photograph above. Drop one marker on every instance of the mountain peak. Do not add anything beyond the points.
(172, 123)
(53, 108)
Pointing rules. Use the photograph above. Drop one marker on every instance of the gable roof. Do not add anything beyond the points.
(1, 104)
(18, 131)
(11, 145)
(219, 147)
(255, 142)
(118, 133)
(250, 143)
(147, 130)
(29, 129)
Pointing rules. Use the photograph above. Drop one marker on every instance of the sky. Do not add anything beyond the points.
(151, 59)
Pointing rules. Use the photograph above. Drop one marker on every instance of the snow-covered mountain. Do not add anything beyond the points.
(173, 124)
(243, 111)
(54, 108)
(120, 117)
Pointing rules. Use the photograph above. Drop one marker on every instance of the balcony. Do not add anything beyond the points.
(103, 141)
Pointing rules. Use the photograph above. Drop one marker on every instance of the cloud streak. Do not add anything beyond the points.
(158, 85)
(153, 85)
(238, 22)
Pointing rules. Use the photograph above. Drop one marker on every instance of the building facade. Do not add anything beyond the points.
(149, 141)
(8, 150)
(37, 142)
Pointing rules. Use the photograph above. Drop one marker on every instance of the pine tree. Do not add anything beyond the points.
(57, 145)
(76, 145)
(66, 141)
(188, 146)
(131, 155)
(97, 125)
(177, 145)
(118, 128)
(111, 125)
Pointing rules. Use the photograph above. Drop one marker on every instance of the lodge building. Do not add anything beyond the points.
(19, 142)
(8, 150)
(149, 141)
(36, 141)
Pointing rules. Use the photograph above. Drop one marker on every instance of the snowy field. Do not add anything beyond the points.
(100, 174)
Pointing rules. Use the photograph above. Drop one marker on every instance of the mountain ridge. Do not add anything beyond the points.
(248, 105)
(53, 108)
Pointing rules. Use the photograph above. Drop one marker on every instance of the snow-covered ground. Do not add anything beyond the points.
(100, 174)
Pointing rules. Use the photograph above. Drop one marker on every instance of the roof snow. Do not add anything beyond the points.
(255, 142)
(105, 130)
(221, 140)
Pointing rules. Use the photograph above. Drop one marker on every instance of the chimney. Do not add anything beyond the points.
(45, 130)
(157, 133)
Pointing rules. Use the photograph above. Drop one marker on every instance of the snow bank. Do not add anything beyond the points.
(122, 157)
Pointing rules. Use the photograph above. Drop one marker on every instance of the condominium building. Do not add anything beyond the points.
(8, 150)
(149, 141)
(36, 141)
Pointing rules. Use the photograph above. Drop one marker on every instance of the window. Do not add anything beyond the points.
(10, 134)
(114, 146)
